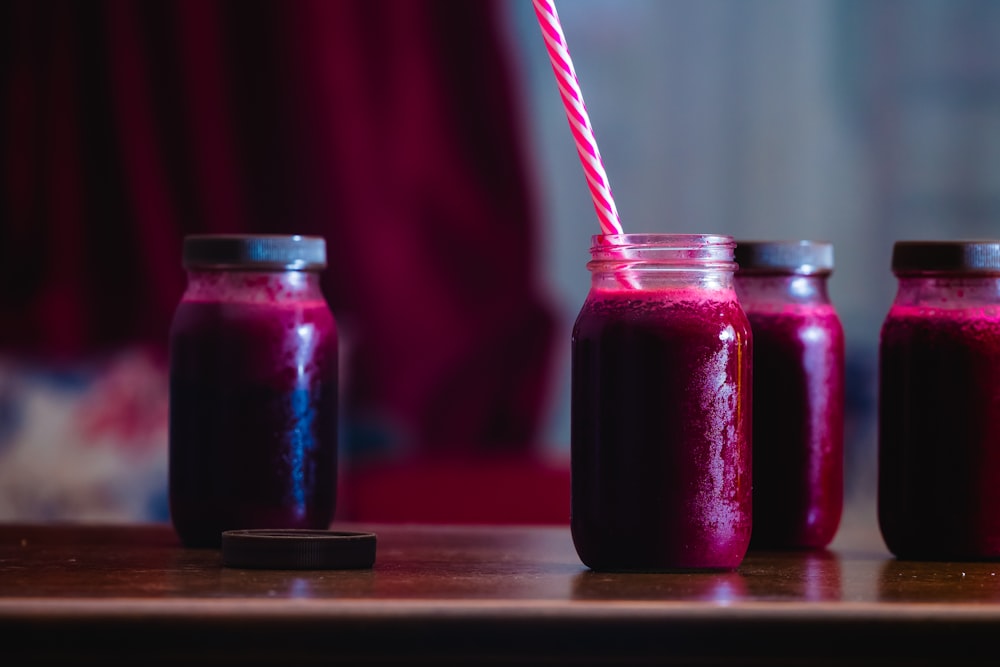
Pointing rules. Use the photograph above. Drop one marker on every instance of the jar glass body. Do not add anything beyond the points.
(798, 409)
(660, 408)
(253, 404)
(939, 418)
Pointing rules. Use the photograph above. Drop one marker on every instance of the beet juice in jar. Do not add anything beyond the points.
(798, 392)
(660, 425)
(253, 389)
(939, 403)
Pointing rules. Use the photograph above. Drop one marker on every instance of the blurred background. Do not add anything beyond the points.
(854, 121)
(428, 142)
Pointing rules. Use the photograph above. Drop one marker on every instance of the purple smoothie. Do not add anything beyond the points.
(253, 417)
(939, 433)
(798, 425)
(661, 476)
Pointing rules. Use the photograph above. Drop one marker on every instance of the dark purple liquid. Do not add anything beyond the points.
(661, 476)
(253, 418)
(939, 434)
(798, 426)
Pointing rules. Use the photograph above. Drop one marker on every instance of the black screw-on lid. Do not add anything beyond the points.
(292, 549)
(254, 251)
(800, 257)
(946, 257)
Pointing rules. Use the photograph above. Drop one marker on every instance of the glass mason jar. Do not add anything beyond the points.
(939, 403)
(798, 392)
(253, 388)
(660, 414)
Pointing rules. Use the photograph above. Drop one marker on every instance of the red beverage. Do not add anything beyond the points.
(939, 433)
(939, 403)
(660, 424)
(253, 404)
(798, 425)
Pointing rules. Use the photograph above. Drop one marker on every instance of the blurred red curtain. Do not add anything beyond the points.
(389, 127)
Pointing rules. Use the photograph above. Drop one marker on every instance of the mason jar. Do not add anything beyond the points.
(253, 388)
(798, 392)
(660, 414)
(939, 403)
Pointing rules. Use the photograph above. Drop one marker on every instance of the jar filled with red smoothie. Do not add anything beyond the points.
(253, 389)
(798, 392)
(660, 407)
(939, 403)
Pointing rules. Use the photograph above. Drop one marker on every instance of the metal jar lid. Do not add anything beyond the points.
(801, 257)
(946, 257)
(298, 549)
(254, 251)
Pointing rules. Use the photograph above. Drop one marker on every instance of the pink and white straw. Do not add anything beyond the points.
(579, 121)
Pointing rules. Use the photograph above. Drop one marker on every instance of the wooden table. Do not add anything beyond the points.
(477, 595)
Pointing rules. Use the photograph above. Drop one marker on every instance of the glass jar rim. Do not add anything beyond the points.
(661, 240)
(662, 252)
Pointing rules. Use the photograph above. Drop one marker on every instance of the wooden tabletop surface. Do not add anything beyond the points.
(469, 594)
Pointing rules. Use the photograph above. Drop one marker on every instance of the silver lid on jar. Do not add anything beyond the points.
(946, 257)
(800, 257)
(269, 252)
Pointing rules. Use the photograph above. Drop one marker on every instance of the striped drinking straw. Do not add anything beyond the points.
(579, 121)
